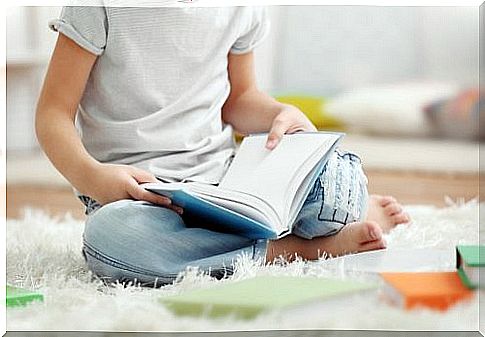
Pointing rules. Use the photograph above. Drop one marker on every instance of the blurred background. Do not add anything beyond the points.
(402, 82)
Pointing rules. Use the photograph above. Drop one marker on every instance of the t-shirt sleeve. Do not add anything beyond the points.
(255, 29)
(85, 25)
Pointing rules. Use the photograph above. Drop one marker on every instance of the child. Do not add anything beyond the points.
(156, 94)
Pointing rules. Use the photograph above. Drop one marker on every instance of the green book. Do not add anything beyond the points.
(19, 297)
(248, 298)
(470, 260)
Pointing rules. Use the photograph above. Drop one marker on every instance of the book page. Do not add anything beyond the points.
(270, 174)
(396, 260)
(242, 203)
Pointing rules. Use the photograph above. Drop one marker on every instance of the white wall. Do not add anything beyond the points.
(450, 43)
(326, 49)
(266, 54)
(29, 44)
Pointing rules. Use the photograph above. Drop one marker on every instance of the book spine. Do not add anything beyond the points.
(465, 280)
(459, 259)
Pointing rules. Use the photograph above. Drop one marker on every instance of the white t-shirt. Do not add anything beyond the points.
(154, 96)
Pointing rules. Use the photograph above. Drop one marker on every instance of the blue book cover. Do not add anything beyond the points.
(228, 220)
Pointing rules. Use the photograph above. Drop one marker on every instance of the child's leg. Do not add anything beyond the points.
(135, 240)
(338, 217)
(339, 197)
(352, 238)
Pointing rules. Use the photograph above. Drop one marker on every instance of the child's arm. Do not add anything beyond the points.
(249, 110)
(56, 110)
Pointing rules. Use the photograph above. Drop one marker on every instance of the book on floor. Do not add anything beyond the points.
(435, 290)
(470, 262)
(248, 298)
(263, 190)
(395, 260)
(16, 296)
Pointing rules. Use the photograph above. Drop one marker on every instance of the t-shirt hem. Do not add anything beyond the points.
(59, 25)
(251, 46)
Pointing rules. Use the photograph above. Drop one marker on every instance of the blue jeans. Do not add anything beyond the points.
(136, 241)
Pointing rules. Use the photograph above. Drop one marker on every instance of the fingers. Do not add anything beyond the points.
(290, 120)
(177, 209)
(139, 193)
(142, 176)
(277, 131)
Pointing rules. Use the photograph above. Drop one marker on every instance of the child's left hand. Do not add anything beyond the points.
(289, 120)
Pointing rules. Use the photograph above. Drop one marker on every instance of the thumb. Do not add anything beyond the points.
(277, 131)
(142, 176)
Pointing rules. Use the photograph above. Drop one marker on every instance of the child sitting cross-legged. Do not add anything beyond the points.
(135, 95)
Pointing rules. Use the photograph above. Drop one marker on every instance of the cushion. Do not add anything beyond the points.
(396, 109)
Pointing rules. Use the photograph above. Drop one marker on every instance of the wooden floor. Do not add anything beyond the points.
(409, 188)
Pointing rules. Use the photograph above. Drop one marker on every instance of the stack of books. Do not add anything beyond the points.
(411, 281)
(434, 290)
(437, 290)
(470, 261)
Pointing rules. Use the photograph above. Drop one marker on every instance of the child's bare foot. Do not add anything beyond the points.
(353, 238)
(386, 211)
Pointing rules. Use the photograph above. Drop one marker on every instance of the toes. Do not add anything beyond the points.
(373, 245)
(393, 209)
(374, 231)
(362, 232)
(386, 200)
(408, 217)
(401, 218)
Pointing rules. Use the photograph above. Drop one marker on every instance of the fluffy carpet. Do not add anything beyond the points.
(43, 253)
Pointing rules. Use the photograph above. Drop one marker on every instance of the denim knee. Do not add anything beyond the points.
(106, 222)
(134, 240)
(338, 197)
(112, 237)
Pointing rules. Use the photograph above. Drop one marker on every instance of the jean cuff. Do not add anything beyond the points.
(259, 250)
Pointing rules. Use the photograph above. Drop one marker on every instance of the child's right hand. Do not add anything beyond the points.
(111, 182)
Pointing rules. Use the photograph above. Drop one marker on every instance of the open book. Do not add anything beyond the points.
(263, 190)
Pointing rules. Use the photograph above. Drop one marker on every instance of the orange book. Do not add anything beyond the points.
(436, 290)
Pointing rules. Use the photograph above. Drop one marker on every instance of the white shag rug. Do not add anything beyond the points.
(44, 254)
